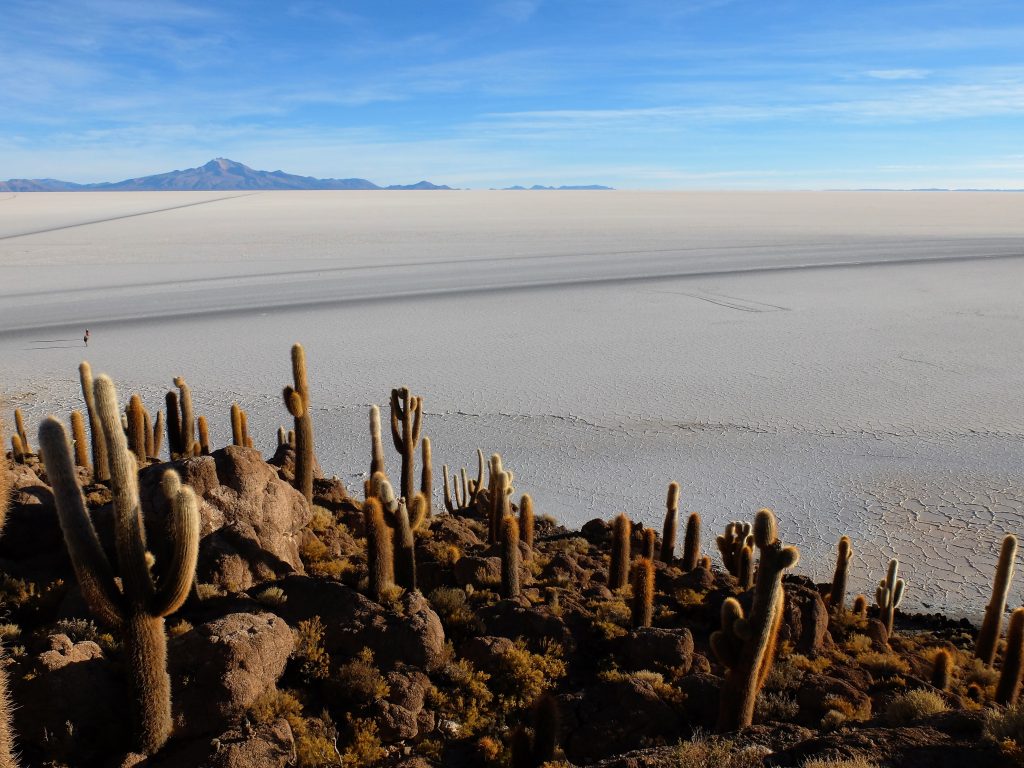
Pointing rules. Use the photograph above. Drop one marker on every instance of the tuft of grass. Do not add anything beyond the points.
(913, 705)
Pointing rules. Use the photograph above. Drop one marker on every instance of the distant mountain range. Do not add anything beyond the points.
(218, 174)
(579, 186)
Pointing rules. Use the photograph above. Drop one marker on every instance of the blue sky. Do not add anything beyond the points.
(634, 93)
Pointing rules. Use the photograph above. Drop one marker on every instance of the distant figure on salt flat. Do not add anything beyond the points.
(86, 337)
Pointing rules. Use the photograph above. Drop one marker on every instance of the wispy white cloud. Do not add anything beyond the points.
(898, 74)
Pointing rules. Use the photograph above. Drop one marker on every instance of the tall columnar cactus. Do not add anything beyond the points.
(147, 425)
(404, 549)
(942, 669)
(427, 475)
(247, 440)
(691, 543)
(19, 423)
(668, 529)
(527, 523)
(648, 542)
(175, 445)
(236, 425)
(406, 424)
(510, 558)
(463, 494)
(643, 592)
(618, 568)
(1008, 687)
(100, 469)
(379, 559)
(837, 595)
(188, 419)
(737, 535)
(376, 442)
(137, 429)
(78, 436)
(889, 594)
(296, 399)
(747, 645)
(204, 436)
(136, 609)
(988, 637)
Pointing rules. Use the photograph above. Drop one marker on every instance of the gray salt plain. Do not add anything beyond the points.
(851, 360)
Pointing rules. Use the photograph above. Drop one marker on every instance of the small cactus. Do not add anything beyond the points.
(1008, 687)
(942, 669)
(376, 443)
(668, 530)
(889, 594)
(100, 470)
(988, 637)
(296, 399)
(510, 558)
(643, 592)
(378, 549)
(618, 569)
(19, 424)
(204, 436)
(860, 607)
(730, 544)
(175, 446)
(17, 449)
(137, 429)
(158, 434)
(527, 523)
(837, 595)
(427, 475)
(648, 543)
(236, 425)
(691, 543)
(406, 424)
(747, 645)
(461, 495)
(78, 436)
(188, 419)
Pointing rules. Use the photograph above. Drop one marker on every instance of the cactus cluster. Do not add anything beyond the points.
(889, 594)
(462, 496)
(737, 535)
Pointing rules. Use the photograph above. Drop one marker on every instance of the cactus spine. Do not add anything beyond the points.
(668, 530)
(837, 595)
(643, 592)
(747, 645)
(510, 559)
(527, 524)
(988, 637)
(297, 401)
(406, 423)
(618, 569)
(188, 421)
(376, 443)
(942, 668)
(138, 608)
(1008, 687)
(100, 470)
(889, 594)
(378, 549)
(78, 435)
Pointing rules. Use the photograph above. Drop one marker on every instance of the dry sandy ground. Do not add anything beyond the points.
(852, 360)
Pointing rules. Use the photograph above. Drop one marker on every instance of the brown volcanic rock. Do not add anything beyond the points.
(220, 668)
(250, 517)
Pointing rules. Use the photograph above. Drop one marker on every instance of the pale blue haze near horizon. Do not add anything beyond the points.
(729, 94)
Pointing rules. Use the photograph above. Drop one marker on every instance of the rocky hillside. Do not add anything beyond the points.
(169, 602)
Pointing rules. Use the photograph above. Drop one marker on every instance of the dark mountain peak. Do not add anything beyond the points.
(220, 173)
